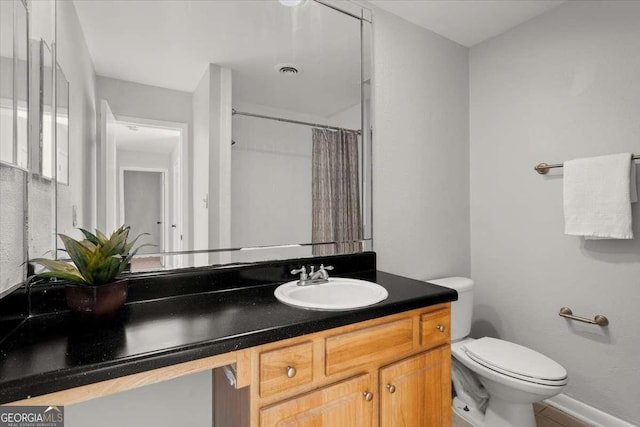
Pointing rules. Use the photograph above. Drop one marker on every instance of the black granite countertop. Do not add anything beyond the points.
(54, 351)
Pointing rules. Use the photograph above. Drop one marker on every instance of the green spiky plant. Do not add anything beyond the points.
(98, 259)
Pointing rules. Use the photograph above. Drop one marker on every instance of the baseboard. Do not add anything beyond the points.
(586, 413)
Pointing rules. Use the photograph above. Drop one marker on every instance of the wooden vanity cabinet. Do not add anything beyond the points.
(390, 371)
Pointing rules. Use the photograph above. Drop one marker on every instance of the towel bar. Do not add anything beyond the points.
(599, 320)
(543, 168)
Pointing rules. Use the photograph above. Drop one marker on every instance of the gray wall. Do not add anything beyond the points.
(420, 151)
(184, 402)
(561, 86)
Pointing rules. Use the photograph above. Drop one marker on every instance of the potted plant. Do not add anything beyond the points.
(93, 287)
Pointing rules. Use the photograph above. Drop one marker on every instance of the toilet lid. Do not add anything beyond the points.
(516, 361)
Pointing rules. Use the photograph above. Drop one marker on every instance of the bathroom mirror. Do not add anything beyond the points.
(14, 161)
(62, 127)
(46, 139)
(222, 127)
(13, 84)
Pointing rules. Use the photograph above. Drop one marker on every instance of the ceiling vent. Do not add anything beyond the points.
(288, 69)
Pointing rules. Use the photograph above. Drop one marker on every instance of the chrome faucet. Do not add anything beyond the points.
(320, 276)
(304, 278)
(314, 277)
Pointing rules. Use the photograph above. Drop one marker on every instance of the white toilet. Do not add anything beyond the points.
(513, 377)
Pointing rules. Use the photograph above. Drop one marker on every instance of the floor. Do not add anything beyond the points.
(146, 264)
(546, 416)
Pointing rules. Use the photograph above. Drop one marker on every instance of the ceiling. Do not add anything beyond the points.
(170, 43)
(467, 22)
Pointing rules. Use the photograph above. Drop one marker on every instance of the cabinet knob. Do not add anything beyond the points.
(368, 396)
(291, 371)
(391, 388)
(441, 328)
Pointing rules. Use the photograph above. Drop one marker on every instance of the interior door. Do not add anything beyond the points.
(143, 194)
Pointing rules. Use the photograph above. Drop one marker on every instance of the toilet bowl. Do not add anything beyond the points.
(514, 376)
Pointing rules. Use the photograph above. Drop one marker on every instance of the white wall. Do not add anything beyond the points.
(271, 169)
(144, 101)
(350, 118)
(420, 151)
(219, 119)
(561, 86)
(200, 167)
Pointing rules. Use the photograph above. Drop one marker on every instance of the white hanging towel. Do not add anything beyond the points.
(598, 192)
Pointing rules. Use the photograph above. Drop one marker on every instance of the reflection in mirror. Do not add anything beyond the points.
(41, 109)
(13, 84)
(224, 124)
(13, 140)
(62, 127)
(41, 192)
(6, 83)
(21, 85)
(46, 114)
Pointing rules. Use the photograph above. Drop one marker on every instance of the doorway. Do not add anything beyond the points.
(144, 206)
(145, 145)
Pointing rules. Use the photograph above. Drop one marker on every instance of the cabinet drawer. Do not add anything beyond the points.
(370, 345)
(435, 328)
(347, 403)
(286, 368)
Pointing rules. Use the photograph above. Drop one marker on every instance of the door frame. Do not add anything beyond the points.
(184, 223)
(164, 202)
(176, 213)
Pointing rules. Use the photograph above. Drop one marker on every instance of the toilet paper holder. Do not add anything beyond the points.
(599, 319)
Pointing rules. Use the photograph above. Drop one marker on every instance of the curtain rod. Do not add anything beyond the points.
(543, 168)
(280, 119)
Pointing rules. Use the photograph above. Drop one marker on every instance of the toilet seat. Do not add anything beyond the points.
(516, 361)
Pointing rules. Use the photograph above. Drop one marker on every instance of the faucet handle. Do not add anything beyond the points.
(328, 267)
(302, 271)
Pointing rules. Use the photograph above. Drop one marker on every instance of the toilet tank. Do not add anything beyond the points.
(462, 309)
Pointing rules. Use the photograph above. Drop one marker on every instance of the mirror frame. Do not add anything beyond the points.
(19, 45)
(62, 132)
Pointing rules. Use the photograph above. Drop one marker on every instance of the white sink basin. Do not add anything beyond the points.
(337, 294)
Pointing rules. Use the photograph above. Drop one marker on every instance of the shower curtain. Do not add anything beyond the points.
(335, 192)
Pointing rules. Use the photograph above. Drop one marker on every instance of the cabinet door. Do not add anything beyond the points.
(417, 391)
(348, 403)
